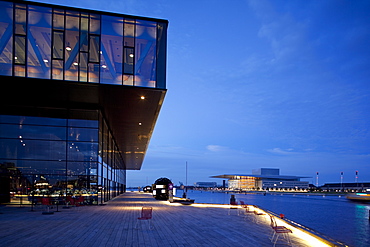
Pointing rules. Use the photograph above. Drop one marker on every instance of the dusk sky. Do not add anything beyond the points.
(259, 84)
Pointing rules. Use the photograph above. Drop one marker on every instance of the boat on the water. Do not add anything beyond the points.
(360, 196)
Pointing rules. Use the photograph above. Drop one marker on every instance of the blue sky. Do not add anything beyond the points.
(251, 84)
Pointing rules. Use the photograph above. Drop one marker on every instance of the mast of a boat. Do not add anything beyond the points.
(186, 177)
(186, 181)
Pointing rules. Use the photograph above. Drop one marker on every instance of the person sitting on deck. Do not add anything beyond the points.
(233, 203)
(233, 200)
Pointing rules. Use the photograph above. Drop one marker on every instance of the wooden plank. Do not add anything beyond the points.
(113, 225)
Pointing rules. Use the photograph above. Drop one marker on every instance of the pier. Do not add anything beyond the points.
(114, 225)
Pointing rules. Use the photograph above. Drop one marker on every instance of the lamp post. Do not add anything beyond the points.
(341, 181)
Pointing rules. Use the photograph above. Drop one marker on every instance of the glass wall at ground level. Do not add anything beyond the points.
(58, 158)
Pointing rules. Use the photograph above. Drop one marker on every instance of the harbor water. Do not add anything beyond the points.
(333, 216)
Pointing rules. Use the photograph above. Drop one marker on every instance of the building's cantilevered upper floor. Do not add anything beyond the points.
(59, 58)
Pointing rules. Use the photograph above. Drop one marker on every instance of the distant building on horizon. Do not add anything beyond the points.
(346, 187)
(265, 179)
(205, 185)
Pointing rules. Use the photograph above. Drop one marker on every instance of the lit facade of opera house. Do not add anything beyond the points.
(264, 179)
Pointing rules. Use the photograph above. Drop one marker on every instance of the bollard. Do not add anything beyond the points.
(282, 216)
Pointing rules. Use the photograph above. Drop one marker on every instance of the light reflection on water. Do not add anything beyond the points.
(333, 216)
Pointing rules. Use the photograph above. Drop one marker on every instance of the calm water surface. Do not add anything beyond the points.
(333, 216)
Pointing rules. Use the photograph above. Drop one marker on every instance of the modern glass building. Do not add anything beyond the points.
(265, 179)
(81, 91)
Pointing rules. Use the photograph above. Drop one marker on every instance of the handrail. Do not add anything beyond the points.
(328, 240)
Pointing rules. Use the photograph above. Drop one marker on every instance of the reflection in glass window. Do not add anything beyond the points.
(83, 67)
(32, 149)
(81, 151)
(26, 132)
(161, 55)
(83, 134)
(58, 19)
(93, 74)
(72, 46)
(57, 71)
(82, 168)
(20, 19)
(58, 45)
(32, 120)
(84, 32)
(19, 49)
(40, 166)
(20, 70)
(128, 80)
(94, 49)
(111, 50)
(129, 32)
(78, 168)
(58, 55)
(6, 38)
(39, 37)
(129, 55)
(145, 53)
(94, 24)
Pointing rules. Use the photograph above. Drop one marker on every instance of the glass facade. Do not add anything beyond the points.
(59, 157)
(257, 183)
(47, 42)
(63, 134)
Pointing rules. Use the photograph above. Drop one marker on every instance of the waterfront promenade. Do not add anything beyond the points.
(113, 225)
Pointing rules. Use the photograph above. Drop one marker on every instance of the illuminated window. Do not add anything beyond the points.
(129, 60)
(20, 50)
(72, 46)
(58, 39)
(20, 19)
(6, 38)
(111, 50)
(39, 41)
(39, 37)
(145, 53)
(94, 49)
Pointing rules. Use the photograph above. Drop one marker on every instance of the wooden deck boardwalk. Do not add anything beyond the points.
(113, 225)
